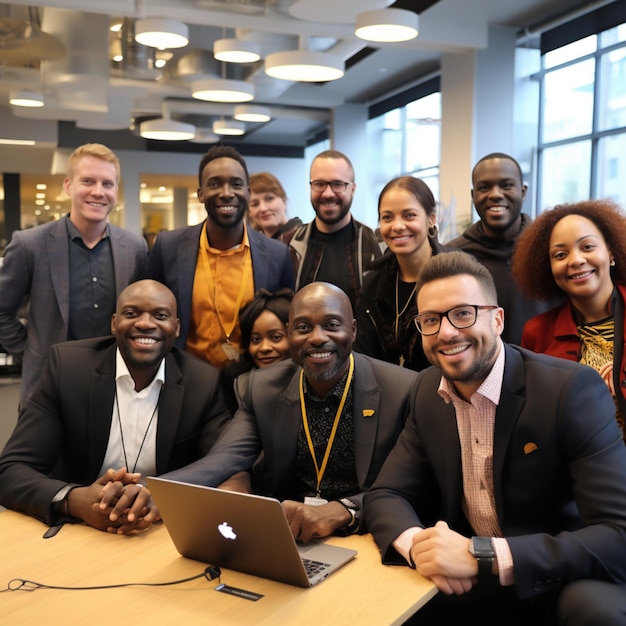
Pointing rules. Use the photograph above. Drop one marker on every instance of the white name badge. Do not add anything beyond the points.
(314, 501)
(231, 351)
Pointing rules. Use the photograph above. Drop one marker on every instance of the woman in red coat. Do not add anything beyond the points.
(578, 252)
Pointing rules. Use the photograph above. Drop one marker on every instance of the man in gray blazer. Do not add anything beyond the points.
(324, 421)
(216, 267)
(507, 485)
(69, 272)
(107, 412)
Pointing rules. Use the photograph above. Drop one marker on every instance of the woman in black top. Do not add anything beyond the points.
(407, 219)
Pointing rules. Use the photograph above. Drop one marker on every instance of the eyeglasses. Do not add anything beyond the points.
(460, 317)
(336, 185)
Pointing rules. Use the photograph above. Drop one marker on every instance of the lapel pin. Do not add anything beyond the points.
(530, 447)
(368, 412)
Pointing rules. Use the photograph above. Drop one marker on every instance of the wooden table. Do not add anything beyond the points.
(362, 592)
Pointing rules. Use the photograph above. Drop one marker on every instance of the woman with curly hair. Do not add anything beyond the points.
(578, 252)
(386, 307)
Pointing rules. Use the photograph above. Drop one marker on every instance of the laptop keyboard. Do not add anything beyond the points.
(314, 567)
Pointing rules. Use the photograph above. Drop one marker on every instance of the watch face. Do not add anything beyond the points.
(482, 547)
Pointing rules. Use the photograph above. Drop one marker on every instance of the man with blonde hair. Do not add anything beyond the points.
(71, 271)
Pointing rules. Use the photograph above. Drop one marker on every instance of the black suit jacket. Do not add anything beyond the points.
(63, 430)
(269, 418)
(561, 501)
(175, 255)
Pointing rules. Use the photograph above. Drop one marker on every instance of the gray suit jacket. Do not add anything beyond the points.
(174, 257)
(63, 430)
(559, 471)
(36, 269)
(269, 418)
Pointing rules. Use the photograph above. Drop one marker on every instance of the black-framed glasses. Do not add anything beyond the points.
(464, 316)
(336, 185)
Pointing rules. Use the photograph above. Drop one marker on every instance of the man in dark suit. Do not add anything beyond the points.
(506, 487)
(216, 267)
(325, 421)
(70, 271)
(109, 411)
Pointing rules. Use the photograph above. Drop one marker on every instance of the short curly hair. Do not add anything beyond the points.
(531, 267)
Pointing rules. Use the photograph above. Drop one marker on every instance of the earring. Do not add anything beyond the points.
(612, 263)
(433, 230)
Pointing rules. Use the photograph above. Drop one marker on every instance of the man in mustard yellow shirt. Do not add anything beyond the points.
(215, 268)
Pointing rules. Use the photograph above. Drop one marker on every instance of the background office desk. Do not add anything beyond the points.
(362, 592)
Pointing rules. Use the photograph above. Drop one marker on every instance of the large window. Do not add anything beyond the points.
(582, 131)
(405, 140)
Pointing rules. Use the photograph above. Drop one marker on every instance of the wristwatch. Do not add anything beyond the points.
(354, 511)
(482, 549)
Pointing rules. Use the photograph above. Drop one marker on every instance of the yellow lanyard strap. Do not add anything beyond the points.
(319, 471)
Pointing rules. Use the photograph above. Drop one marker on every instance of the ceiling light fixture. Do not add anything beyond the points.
(252, 113)
(387, 25)
(236, 51)
(205, 135)
(159, 32)
(222, 90)
(165, 129)
(26, 98)
(228, 127)
(304, 66)
(17, 142)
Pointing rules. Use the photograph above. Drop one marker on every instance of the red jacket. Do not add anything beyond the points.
(554, 332)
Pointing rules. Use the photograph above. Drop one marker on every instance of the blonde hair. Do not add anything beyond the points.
(96, 150)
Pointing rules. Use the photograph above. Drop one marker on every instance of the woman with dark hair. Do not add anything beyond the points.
(577, 252)
(407, 219)
(267, 208)
(263, 323)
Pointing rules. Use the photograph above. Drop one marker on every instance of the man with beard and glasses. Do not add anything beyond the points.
(109, 411)
(324, 420)
(216, 267)
(498, 192)
(334, 247)
(506, 487)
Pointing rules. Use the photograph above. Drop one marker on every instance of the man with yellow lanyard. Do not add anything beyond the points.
(325, 421)
(216, 267)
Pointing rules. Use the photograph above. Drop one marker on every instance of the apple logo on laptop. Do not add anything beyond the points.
(226, 530)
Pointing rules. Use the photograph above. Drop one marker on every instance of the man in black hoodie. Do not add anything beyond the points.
(498, 192)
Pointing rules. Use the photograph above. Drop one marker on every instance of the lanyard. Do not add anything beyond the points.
(319, 471)
(228, 330)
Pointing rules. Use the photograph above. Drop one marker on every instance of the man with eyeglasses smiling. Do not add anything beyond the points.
(506, 486)
(334, 247)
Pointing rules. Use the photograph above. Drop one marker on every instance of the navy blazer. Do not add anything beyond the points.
(174, 257)
(269, 418)
(63, 430)
(559, 467)
(37, 265)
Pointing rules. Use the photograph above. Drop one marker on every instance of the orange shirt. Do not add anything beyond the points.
(223, 283)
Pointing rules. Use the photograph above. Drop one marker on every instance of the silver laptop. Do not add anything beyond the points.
(242, 532)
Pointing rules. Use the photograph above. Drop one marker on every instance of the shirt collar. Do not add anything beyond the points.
(74, 233)
(121, 371)
(491, 387)
(204, 241)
